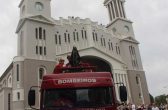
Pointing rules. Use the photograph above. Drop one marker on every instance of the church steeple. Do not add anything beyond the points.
(115, 9)
(35, 7)
(119, 24)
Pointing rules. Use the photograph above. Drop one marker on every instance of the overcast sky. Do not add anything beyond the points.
(150, 22)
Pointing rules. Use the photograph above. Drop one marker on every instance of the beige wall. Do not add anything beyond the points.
(4, 98)
(137, 89)
(31, 75)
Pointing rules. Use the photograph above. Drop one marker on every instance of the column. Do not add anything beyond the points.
(121, 11)
(113, 9)
(120, 8)
(142, 95)
(109, 10)
(116, 8)
(128, 89)
(122, 5)
(116, 85)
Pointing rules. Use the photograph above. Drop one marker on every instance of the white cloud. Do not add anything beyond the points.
(150, 26)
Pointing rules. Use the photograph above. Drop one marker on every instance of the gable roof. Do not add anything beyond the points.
(118, 19)
(6, 71)
(41, 18)
(37, 18)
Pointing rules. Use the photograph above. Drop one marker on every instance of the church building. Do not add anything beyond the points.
(42, 41)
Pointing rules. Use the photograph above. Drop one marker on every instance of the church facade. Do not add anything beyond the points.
(42, 41)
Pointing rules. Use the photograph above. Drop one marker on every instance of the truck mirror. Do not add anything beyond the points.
(31, 98)
(123, 93)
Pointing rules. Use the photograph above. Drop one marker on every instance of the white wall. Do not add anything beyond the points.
(15, 98)
(2, 100)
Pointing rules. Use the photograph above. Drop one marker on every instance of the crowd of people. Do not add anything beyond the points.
(142, 107)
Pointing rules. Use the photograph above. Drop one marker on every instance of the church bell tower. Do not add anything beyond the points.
(115, 9)
(35, 7)
(33, 28)
(119, 24)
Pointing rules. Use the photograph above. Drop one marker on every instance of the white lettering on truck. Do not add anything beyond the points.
(76, 80)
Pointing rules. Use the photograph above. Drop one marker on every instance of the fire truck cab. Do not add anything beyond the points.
(78, 88)
(77, 91)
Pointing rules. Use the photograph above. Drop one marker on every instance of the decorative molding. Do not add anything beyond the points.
(37, 18)
(130, 39)
(115, 20)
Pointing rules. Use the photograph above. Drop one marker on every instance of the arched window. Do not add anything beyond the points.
(56, 39)
(45, 51)
(41, 72)
(126, 28)
(75, 35)
(111, 45)
(39, 6)
(59, 39)
(94, 34)
(44, 34)
(104, 41)
(17, 72)
(41, 50)
(18, 95)
(9, 100)
(69, 38)
(85, 34)
(40, 32)
(137, 80)
(21, 42)
(36, 33)
(65, 37)
(101, 41)
(9, 81)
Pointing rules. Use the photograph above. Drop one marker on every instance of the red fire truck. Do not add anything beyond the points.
(78, 89)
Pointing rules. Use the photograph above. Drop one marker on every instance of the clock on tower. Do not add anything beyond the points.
(35, 7)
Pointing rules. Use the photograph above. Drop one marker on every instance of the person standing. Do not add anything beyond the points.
(58, 67)
(69, 61)
(155, 107)
(133, 107)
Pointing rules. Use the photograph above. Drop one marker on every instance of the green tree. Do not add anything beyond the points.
(151, 98)
(160, 99)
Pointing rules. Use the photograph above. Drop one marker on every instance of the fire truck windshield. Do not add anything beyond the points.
(77, 98)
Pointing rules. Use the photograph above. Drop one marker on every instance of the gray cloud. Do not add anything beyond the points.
(150, 22)
(8, 23)
(150, 26)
